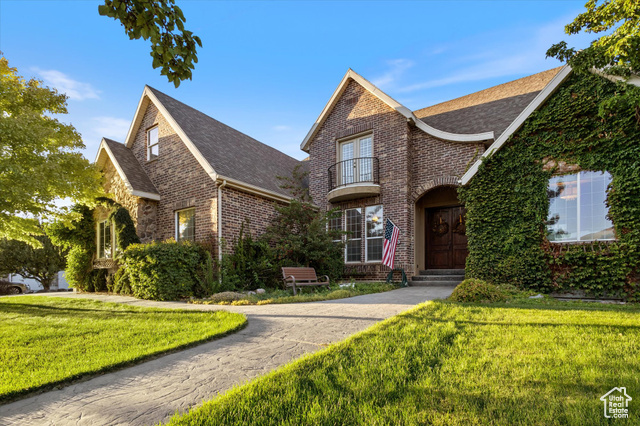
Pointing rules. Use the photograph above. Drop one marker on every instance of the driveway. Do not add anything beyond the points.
(153, 391)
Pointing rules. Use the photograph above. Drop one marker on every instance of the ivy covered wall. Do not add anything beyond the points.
(507, 202)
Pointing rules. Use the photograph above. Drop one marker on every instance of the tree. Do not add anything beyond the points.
(172, 47)
(300, 234)
(41, 264)
(616, 53)
(40, 161)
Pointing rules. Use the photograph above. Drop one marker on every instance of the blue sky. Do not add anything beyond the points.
(268, 68)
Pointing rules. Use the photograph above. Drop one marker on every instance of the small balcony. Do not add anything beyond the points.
(354, 178)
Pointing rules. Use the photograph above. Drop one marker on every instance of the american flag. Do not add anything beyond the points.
(391, 233)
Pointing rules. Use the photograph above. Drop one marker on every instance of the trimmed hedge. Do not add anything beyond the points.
(162, 270)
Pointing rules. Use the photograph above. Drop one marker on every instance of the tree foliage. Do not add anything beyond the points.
(41, 264)
(40, 160)
(173, 48)
(617, 52)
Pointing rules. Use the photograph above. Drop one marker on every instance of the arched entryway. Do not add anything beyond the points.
(440, 230)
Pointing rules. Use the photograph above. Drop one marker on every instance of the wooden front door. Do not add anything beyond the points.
(446, 238)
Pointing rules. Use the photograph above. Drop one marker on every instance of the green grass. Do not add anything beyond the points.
(306, 294)
(47, 341)
(532, 362)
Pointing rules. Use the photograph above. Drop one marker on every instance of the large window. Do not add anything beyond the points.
(353, 225)
(374, 233)
(152, 143)
(356, 164)
(105, 240)
(577, 209)
(186, 224)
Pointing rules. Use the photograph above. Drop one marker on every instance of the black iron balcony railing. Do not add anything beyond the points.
(355, 170)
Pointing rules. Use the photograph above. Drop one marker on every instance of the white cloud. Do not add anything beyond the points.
(76, 90)
(111, 127)
(397, 69)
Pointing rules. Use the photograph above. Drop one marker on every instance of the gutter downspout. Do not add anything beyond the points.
(220, 186)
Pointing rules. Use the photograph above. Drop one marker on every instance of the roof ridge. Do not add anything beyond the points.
(218, 121)
(488, 90)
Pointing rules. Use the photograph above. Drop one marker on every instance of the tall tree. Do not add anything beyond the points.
(41, 264)
(40, 161)
(616, 52)
(173, 48)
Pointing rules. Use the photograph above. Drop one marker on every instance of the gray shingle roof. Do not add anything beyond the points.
(492, 109)
(231, 153)
(131, 167)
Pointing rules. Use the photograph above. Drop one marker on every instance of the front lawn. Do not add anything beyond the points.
(45, 341)
(532, 362)
(305, 294)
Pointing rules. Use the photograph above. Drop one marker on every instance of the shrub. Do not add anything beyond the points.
(476, 290)
(251, 264)
(162, 271)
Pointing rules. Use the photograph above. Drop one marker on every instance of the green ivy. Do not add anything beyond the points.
(507, 202)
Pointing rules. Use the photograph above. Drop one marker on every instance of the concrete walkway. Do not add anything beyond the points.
(153, 391)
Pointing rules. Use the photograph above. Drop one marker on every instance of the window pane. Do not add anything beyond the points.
(577, 207)
(186, 224)
(152, 143)
(354, 224)
(347, 164)
(374, 249)
(335, 224)
(107, 239)
(563, 208)
(373, 215)
(594, 224)
(101, 240)
(353, 251)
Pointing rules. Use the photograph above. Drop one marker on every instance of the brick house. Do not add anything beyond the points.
(373, 158)
(184, 175)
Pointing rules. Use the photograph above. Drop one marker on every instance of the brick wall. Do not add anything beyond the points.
(411, 163)
(360, 111)
(238, 207)
(179, 178)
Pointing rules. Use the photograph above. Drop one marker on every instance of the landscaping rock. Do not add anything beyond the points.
(537, 296)
(261, 291)
(251, 293)
(227, 296)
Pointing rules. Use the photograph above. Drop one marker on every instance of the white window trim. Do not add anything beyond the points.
(366, 238)
(177, 223)
(347, 237)
(578, 212)
(155, 144)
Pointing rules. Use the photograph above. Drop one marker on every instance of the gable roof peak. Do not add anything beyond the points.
(351, 75)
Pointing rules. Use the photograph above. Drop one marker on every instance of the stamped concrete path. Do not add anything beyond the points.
(152, 391)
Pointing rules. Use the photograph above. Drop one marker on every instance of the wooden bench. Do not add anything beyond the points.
(301, 277)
